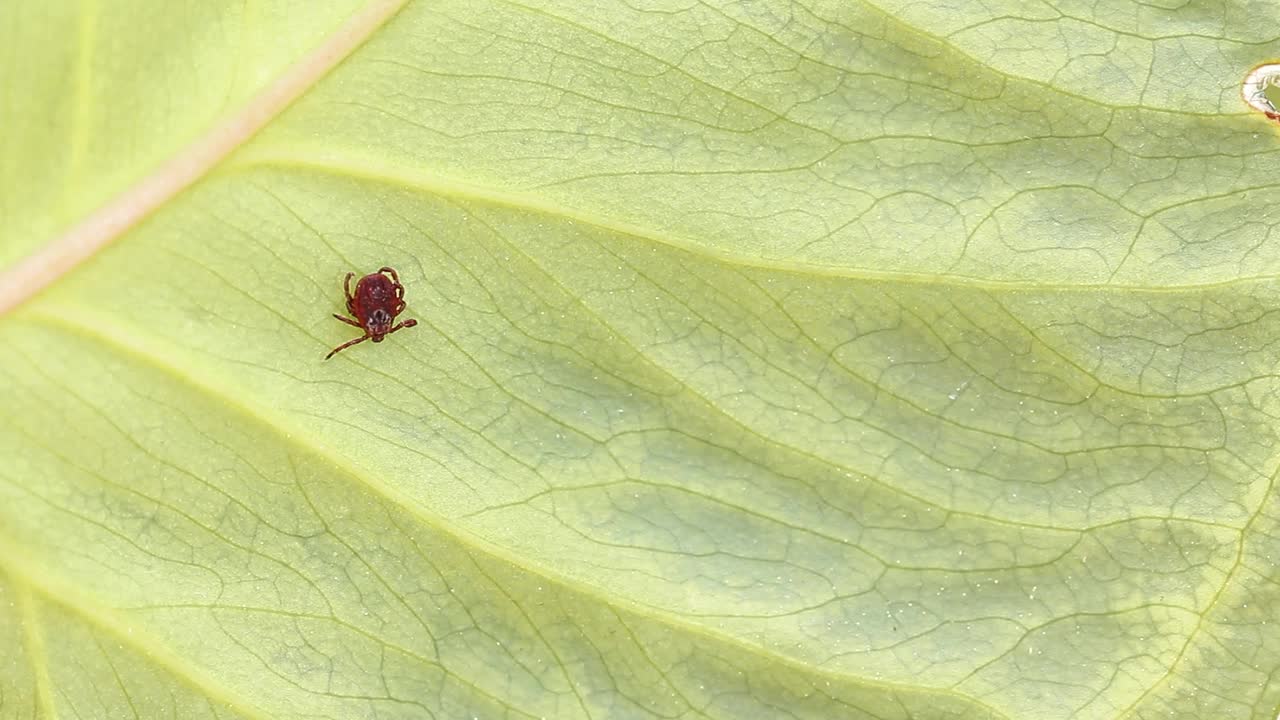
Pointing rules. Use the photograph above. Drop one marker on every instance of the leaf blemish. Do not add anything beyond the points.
(1254, 89)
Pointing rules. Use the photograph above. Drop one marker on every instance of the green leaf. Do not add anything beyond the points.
(780, 359)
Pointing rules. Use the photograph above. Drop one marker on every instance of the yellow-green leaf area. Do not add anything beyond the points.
(772, 359)
(95, 94)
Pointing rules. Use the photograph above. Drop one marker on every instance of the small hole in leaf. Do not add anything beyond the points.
(1259, 89)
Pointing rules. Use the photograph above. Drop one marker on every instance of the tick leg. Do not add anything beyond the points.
(351, 300)
(405, 324)
(345, 345)
(348, 321)
(394, 277)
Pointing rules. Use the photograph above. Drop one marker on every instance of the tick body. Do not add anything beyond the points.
(378, 299)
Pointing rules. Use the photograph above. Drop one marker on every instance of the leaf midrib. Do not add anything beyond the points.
(193, 162)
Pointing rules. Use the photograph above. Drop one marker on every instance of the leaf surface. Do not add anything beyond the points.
(774, 359)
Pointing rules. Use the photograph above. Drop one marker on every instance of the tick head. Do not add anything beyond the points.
(378, 324)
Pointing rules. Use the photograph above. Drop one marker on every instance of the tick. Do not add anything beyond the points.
(378, 299)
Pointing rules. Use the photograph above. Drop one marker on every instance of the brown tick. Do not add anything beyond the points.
(376, 303)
